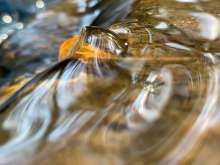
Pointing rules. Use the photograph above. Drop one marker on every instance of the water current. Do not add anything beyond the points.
(136, 82)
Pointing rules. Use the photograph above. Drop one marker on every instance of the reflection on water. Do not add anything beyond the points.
(141, 91)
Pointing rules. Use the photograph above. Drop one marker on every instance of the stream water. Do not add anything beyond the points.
(139, 85)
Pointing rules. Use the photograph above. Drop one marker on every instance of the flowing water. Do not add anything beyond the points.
(140, 85)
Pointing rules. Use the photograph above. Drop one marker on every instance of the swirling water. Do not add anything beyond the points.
(144, 90)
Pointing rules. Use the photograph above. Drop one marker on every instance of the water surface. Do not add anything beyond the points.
(142, 88)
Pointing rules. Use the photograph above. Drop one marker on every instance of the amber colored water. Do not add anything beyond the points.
(141, 87)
